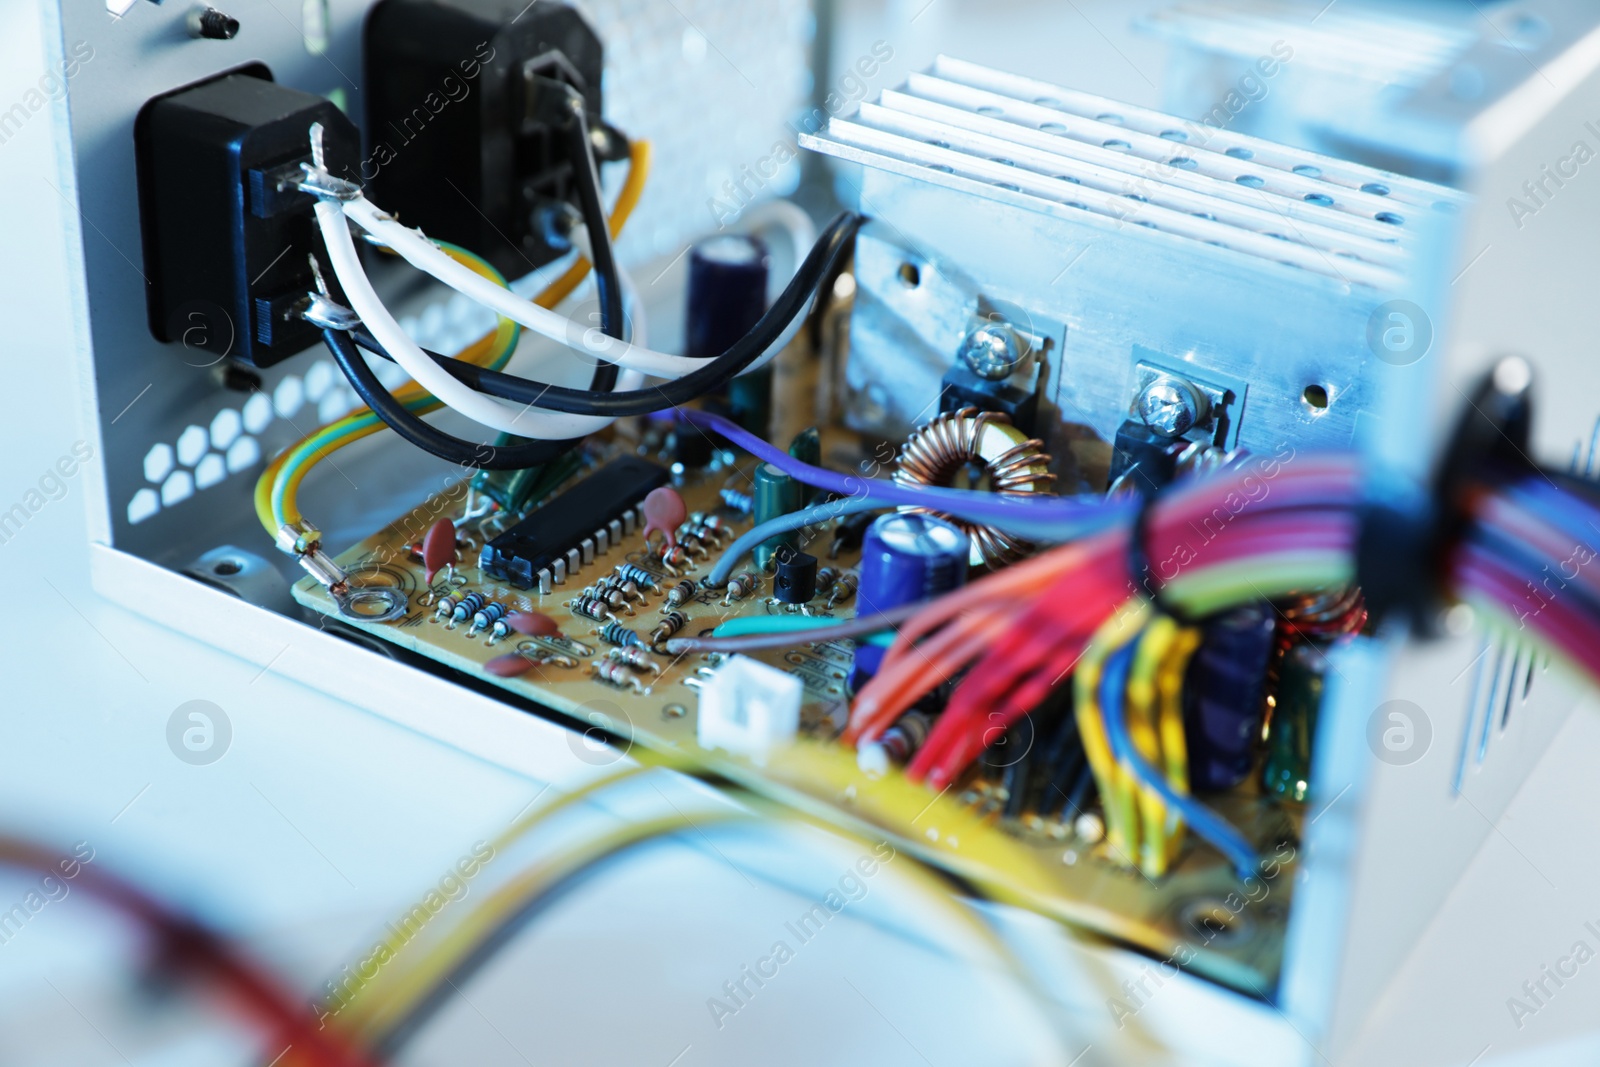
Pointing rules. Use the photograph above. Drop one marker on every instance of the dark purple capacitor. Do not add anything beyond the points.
(727, 292)
(1225, 696)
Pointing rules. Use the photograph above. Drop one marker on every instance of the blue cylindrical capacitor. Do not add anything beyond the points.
(727, 293)
(1225, 697)
(906, 558)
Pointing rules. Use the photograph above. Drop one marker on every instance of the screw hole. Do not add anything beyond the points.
(910, 275)
(227, 568)
(1315, 397)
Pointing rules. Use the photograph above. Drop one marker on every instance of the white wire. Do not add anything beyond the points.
(426, 257)
(492, 412)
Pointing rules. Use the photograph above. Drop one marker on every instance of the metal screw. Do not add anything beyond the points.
(993, 351)
(211, 24)
(1171, 406)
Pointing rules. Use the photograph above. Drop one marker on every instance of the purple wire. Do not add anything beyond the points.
(1041, 518)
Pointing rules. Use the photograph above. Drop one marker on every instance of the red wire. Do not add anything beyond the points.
(205, 957)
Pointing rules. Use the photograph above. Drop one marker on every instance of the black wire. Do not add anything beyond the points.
(427, 437)
(606, 278)
(506, 456)
(830, 247)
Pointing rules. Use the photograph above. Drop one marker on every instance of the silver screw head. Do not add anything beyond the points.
(993, 351)
(1171, 406)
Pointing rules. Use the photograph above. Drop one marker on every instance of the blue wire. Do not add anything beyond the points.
(1205, 822)
(1052, 519)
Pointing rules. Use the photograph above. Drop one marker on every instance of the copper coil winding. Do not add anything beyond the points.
(1012, 464)
(1326, 614)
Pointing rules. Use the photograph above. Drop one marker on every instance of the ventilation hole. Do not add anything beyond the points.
(1241, 153)
(1205, 215)
(144, 504)
(1175, 135)
(1110, 119)
(1146, 225)
(178, 487)
(1069, 178)
(940, 144)
(1319, 199)
(244, 454)
(910, 275)
(192, 444)
(319, 379)
(1183, 163)
(225, 428)
(1007, 186)
(1390, 217)
(226, 568)
(1116, 145)
(1251, 181)
(1306, 170)
(1003, 161)
(1080, 206)
(941, 168)
(158, 463)
(257, 413)
(1315, 397)
(1376, 189)
(1136, 196)
(331, 407)
(1276, 236)
(210, 471)
(1053, 127)
(288, 397)
(1046, 101)
(990, 109)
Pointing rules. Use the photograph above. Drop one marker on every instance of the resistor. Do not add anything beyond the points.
(630, 589)
(680, 595)
(741, 586)
(610, 595)
(486, 617)
(844, 587)
(689, 536)
(826, 577)
(613, 671)
(902, 740)
(672, 558)
(446, 606)
(715, 525)
(740, 502)
(635, 657)
(614, 633)
(670, 624)
(590, 608)
(632, 572)
(468, 606)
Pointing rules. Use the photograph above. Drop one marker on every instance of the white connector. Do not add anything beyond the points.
(749, 708)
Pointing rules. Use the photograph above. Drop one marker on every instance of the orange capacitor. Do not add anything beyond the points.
(438, 548)
(664, 510)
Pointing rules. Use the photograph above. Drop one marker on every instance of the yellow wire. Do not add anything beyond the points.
(477, 352)
(1114, 779)
(1174, 746)
(1144, 736)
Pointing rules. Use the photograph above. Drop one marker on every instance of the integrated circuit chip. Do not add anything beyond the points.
(568, 531)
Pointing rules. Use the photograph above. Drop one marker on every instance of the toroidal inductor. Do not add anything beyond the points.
(1003, 459)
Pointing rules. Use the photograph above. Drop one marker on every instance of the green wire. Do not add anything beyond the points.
(779, 624)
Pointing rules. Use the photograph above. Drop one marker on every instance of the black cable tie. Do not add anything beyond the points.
(1140, 572)
(1404, 543)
